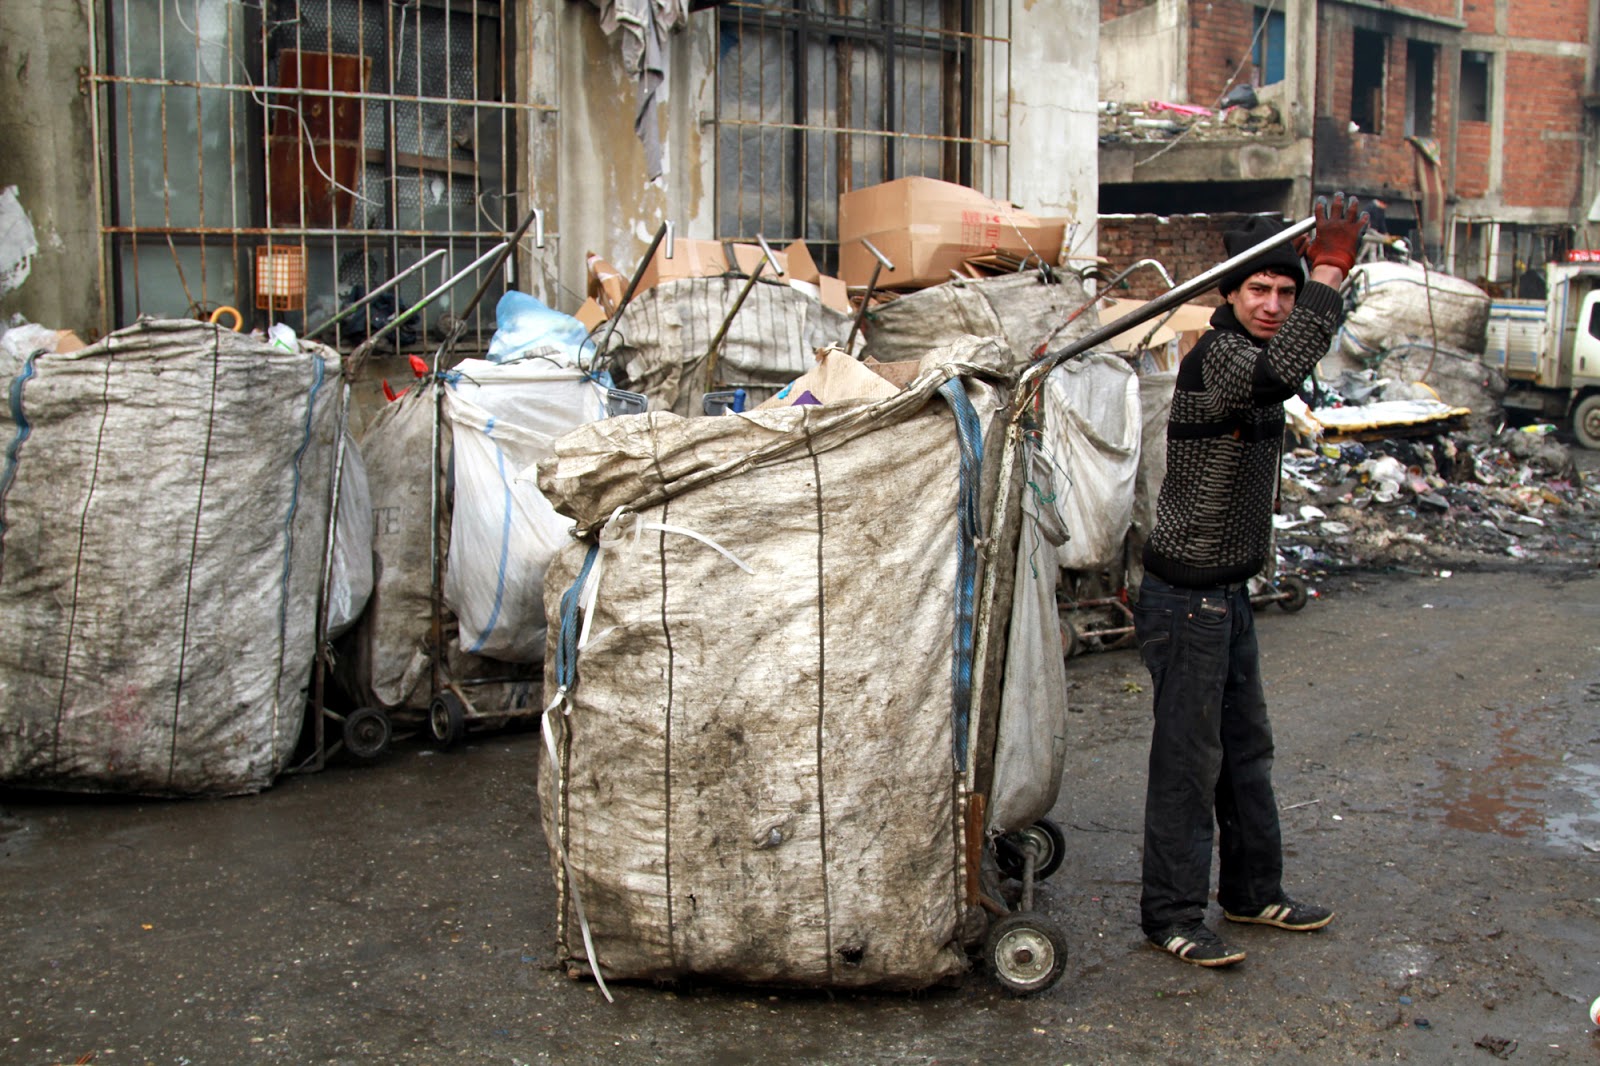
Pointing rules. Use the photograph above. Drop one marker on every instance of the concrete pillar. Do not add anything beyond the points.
(47, 152)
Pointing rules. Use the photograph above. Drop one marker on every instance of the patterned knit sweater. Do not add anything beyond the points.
(1214, 514)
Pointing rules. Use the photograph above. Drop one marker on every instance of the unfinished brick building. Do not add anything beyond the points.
(1471, 119)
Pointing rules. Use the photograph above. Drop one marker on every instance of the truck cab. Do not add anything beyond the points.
(1549, 350)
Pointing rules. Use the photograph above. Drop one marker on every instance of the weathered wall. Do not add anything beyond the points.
(47, 153)
(1054, 111)
(1144, 54)
(1186, 245)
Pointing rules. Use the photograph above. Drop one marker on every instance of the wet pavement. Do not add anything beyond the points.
(1439, 774)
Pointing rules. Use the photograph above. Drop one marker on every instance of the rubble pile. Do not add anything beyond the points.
(1156, 120)
(1443, 500)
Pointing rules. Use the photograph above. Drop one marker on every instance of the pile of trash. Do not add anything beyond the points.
(1159, 120)
(1448, 499)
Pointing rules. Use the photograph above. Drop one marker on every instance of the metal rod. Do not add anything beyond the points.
(727, 321)
(1044, 345)
(872, 285)
(663, 232)
(1165, 302)
(379, 291)
(505, 250)
(445, 286)
(325, 94)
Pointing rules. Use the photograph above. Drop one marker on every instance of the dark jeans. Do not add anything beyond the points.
(1210, 757)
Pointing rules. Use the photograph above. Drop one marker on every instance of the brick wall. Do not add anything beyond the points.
(1544, 121)
(1472, 159)
(1381, 159)
(1219, 45)
(1186, 245)
(1548, 20)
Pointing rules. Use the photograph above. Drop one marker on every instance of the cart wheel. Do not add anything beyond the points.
(367, 733)
(1027, 953)
(447, 719)
(1294, 593)
(1071, 642)
(1046, 836)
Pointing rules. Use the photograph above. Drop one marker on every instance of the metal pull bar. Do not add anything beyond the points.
(663, 232)
(1036, 372)
(881, 265)
(379, 291)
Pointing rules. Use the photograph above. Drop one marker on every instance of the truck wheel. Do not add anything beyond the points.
(1586, 421)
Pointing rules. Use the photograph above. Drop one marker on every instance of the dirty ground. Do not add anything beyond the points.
(1438, 768)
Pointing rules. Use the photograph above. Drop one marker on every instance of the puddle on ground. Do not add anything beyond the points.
(1528, 788)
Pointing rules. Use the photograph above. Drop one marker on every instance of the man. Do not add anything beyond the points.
(1211, 751)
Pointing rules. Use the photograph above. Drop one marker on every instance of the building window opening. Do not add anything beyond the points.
(286, 157)
(1366, 81)
(816, 99)
(1420, 65)
(1267, 53)
(1474, 86)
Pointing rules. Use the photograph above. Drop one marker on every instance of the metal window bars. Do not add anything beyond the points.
(818, 97)
(284, 158)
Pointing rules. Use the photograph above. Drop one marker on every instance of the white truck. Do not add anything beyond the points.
(1549, 350)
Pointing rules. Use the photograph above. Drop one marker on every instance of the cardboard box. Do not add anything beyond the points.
(690, 259)
(805, 275)
(591, 314)
(746, 256)
(606, 284)
(1188, 321)
(927, 228)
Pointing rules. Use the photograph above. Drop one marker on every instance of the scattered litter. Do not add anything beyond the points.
(1498, 1046)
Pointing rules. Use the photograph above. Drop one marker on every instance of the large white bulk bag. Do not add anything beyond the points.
(503, 419)
(1093, 425)
(163, 520)
(756, 773)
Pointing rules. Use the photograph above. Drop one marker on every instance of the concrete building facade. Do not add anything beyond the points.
(1473, 121)
(178, 158)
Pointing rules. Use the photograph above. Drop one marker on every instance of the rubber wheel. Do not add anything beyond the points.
(1294, 593)
(1026, 952)
(1046, 836)
(447, 719)
(367, 733)
(1586, 421)
(1071, 642)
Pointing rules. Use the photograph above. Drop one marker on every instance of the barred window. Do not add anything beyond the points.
(818, 97)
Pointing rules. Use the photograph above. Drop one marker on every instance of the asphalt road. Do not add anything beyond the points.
(1438, 766)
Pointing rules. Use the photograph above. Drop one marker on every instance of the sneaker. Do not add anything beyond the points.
(1286, 914)
(1197, 944)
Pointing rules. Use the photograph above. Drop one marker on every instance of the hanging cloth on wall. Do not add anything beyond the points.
(645, 25)
(1430, 180)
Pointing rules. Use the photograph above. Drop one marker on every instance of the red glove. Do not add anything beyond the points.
(1338, 234)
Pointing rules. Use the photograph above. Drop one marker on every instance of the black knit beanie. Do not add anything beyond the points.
(1282, 259)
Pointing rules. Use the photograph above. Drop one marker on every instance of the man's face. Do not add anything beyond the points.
(1262, 303)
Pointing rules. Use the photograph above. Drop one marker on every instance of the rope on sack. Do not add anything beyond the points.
(578, 602)
(611, 536)
(970, 436)
(24, 429)
(566, 677)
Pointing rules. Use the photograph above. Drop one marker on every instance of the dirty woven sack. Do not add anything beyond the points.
(659, 348)
(1094, 424)
(1020, 309)
(755, 771)
(385, 660)
(1393, 304)
(163, 516)
(503, 419)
